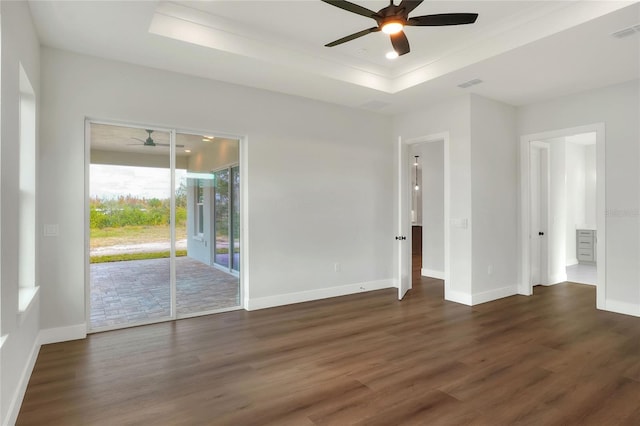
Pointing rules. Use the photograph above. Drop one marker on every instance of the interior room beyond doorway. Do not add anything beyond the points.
(427, 208)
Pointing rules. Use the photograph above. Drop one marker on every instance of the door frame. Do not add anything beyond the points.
(524, 286)
(404, 208)
(244, 219)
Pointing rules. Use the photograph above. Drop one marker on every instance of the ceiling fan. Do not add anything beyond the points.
(150, 142)
(392, 19)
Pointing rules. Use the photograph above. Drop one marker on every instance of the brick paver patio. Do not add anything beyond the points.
(138, 290)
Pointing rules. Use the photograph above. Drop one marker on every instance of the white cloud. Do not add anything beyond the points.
(106, 181)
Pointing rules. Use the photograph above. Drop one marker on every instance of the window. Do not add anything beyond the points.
(199, 211)
(27, 194)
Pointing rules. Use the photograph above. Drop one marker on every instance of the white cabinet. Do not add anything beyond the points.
(586, 243)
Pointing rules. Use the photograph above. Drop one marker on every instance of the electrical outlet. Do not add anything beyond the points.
(490, 269)
(336, 267)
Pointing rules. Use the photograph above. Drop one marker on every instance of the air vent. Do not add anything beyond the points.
(374, 105)
(470, 83)
(626, 32)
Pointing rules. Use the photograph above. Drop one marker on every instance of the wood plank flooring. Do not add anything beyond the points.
(548, 359)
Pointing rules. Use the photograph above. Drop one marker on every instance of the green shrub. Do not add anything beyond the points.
(133, 211)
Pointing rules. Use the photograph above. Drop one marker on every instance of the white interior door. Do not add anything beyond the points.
(543, 228)
(535, 215)
(539, 180)
(403, 236)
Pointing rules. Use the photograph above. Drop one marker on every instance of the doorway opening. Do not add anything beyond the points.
(427, 211)
(423, 211)
(563, 208)
(163, 233)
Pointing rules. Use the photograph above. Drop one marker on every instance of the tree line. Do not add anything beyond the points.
(128, 210)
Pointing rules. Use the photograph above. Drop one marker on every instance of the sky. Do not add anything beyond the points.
(106, 181)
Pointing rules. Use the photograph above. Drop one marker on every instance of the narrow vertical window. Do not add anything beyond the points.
(27, 194)
(199, 207)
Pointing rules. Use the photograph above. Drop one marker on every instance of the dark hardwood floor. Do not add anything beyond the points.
(548, 359)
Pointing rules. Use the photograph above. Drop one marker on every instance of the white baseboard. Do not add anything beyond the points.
(491, 295)
(322, 293)
(571, 262)
(432, 273)
(458, 297)
(622, 308)
(556, 279)
(62, 334)
(18, 395)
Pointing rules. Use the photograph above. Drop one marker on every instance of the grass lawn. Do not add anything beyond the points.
(135, 256)
(129, 235)
(107, 237)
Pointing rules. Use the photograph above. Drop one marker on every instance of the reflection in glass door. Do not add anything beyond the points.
(221, 214)
(227, 218)
(205, 278)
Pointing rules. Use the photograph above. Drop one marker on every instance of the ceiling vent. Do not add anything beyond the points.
(470, 83)
(374, 105)
(626, 32)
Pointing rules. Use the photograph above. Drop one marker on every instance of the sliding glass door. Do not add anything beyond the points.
(129, 226)
(164, 225)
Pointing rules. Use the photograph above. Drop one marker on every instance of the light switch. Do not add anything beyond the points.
(462, 223)
(51, 230)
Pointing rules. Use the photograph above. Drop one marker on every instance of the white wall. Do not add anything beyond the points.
(576, 174)
(483, 166)
(557, 226)
(17, 354)
(618, 108)
(494, 178)
(576, 202)
(452, 116)
(432, 159)
(590, 187)
(320, 176)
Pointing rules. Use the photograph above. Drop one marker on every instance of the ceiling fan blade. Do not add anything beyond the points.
(135, 144)
(353, 36)
(443, 19)
(138, 139)
(400, 43)
(350, 7)
(409, 5)
(166, 144)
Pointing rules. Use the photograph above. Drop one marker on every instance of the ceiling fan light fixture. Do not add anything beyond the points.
(392, 27)
(393, 18)
(391, 55)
